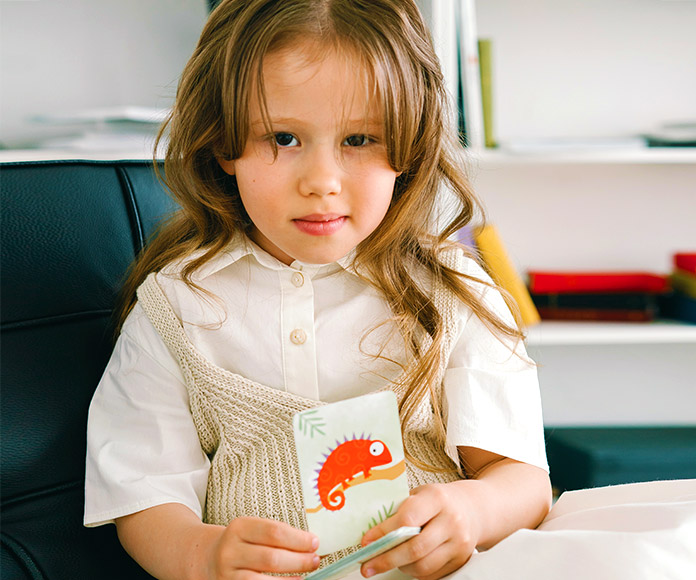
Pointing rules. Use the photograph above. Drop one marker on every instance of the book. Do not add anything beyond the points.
(470, 74)
(685, 261)
(611, 306)
(679, 306)
(684, 282)
(443, 28)
(99, 116)
(546, 281)
(486, 71)
(352, 467)
(646, 301)
(599, 314)
(465, 236)
(502, 270)
(353, 561)
(681, 134)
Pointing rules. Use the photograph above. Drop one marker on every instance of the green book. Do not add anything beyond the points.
(684, 282)
(485, 65)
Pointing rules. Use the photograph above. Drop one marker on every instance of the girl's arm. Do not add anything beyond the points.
(170, 542)
(501, 496)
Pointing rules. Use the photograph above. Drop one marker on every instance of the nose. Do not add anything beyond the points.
(320, 172)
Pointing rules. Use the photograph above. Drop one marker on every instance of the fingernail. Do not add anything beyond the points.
(315, 543)
(315, 561)
(369, 572)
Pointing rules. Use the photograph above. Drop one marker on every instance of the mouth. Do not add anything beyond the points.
(320, 224)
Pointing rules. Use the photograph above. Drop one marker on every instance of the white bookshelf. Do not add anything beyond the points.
(599, 156)
(578, 333)
(570, 188)
(21, 155)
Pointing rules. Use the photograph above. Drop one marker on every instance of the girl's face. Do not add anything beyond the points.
(330, 185)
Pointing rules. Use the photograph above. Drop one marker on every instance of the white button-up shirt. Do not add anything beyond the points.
(312, 330)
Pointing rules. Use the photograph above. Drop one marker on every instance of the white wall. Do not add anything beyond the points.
(601, 216)
(62, 56)
(579, 68)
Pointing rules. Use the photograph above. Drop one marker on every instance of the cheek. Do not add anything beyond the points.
(256, 169)
(255, 184)
(379, 191)
(257, 207)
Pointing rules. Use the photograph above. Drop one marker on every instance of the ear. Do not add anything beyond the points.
(226, 164)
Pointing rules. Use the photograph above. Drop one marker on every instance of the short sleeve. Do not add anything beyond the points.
(491, 394)
(142, 446)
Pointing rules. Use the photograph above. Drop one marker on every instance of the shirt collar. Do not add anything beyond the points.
(242, 246)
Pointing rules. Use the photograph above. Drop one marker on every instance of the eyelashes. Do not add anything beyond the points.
(284, 140)
(357, 140)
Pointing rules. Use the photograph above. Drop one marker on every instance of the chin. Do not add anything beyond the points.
(319, 258)
(316, 261)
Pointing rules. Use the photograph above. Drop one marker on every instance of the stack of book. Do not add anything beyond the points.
(621, 296)
(680, 304)
(610, 296)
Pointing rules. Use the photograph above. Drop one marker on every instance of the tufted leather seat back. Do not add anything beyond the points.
(69, 232)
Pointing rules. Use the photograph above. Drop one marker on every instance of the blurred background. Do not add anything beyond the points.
(109, 61)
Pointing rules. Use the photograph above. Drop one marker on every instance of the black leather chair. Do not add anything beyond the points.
(69, 231)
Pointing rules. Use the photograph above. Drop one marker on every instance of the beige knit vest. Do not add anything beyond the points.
(246, 427)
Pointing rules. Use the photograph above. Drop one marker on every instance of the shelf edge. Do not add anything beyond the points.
(552, 333)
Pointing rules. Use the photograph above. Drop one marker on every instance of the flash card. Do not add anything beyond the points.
(352, 467)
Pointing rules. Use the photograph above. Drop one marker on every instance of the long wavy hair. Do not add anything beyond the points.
(210, 119)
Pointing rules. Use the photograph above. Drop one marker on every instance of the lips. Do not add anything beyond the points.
(320, 224)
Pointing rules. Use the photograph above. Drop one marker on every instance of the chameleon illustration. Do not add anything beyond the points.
(344, 463)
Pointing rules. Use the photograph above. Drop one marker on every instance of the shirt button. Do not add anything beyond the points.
(298, 336)
(297, 279)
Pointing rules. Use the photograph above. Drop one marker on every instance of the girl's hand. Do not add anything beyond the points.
(503, 496)
(450, 532)
(250, 547)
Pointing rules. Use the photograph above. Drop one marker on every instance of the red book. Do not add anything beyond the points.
(685, 261)
(595, 314)
(545, 282)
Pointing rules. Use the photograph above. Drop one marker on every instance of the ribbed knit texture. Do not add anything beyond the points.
(246, 427)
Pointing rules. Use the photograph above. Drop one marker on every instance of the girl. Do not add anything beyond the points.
(307, 148)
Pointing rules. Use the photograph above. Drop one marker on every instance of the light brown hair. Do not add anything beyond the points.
(210, 119)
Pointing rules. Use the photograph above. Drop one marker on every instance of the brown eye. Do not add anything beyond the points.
(285, 139)
(356, 140)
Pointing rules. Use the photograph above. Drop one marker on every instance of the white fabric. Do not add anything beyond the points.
(142, 445)
(626, 532)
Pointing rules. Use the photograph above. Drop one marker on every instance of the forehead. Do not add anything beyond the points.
(311, 79)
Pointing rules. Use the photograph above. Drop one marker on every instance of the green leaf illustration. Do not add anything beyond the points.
(384, 513)
(306, 422)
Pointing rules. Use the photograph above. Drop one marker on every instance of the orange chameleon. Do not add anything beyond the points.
(343, 464)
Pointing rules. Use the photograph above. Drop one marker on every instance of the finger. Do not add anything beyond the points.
(267, 559)
(251, 575)
(381, 529)
(435, 565)
(452, 552)
(414, 511)
(273, 533)
(413, 550)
